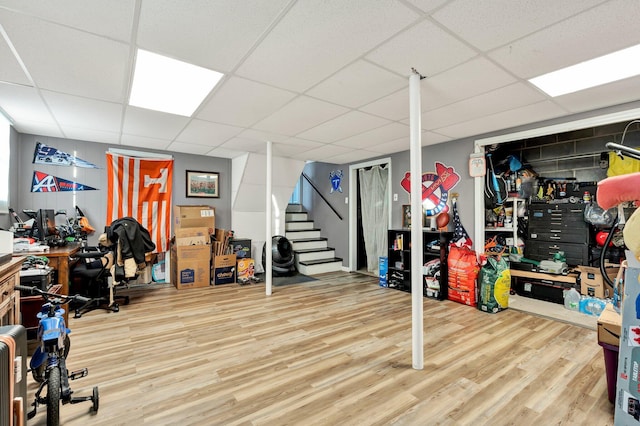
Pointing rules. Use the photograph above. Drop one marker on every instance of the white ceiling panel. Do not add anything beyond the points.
(189, 148)
(287, 150)
(323, 152)
(85, 113)
(318, 37)
(144, 142)
(38, 128)
(351, 157)
(425, 47)
(258, 135)
(601, 96)
(358, 84)
(154, 124)
(553, 49)
(377, 136)
(101, 136)
(527, 114)
(491, 24)
(394, 107)
(427, 5)
(11, 71)
(212, 34)
(502, 99)
(24, 104)
(396, 145)
(113, 19)
(242, 144)
(349, 124)
(225, 153)
(93, 66)
(462, 82)
(207, 133)
(242, 102)
(299, 115)
(432, 138)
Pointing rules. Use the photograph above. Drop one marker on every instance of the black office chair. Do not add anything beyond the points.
(90, 278)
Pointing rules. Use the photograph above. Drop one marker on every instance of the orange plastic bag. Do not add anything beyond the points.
(463, 274)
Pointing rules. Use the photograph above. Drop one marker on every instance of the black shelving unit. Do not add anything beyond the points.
(436, 248)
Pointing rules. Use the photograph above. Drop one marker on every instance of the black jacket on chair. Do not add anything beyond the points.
(134, 240)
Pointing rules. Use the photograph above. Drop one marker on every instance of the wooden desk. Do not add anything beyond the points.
(9, 296)
(58, 260)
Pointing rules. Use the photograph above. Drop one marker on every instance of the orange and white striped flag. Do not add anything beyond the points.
(141, 188)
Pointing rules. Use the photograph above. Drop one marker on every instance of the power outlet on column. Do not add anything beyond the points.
(395, 197)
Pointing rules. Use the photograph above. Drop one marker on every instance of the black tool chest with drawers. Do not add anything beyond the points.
(555, 227)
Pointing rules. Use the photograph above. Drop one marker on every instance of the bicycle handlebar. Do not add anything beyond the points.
(46, 295)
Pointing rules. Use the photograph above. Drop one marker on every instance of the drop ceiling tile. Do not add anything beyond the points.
(469, 79)
(603, 29)
(317, 38)
(84, 113)
(11, 71)
(22, 103)
(152, 124)
(112, 19)
(396, 145)
(352, 157)
(344, 126)
(38, 128)
(393, 107)
(502, 99)
(303, 142)
(93, 67)
(426, 47)
(287, 150)
(377, 136)
(92, 135)
(242, 102)
(258, 135)
(144, 142)
(241, 144)
(428, 5)
(322, 153)
(215, 35)
(299, 115)
(518, 116)
(188, 148)
(602, 96)
(207, 133)
(432, 138)
(358, 84)
(225, 153)
(487, 25)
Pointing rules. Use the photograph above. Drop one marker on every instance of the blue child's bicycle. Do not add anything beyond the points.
(48, 362)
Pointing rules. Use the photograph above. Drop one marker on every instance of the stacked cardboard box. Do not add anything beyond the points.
(593, 284)
(191, 248)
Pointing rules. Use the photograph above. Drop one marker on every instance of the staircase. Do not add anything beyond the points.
(310, 249)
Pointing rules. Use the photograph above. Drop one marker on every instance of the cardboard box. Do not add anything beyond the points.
(192, 236)
(609, 325)
(592, 283)
(224, 269)
(191, 266)
(194, 217)
(246, 269)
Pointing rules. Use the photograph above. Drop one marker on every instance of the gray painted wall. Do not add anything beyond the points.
(94, 203)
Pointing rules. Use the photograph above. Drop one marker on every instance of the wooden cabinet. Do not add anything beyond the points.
(434, 270)
(9, 297)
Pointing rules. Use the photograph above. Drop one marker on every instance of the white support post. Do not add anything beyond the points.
(268, 272)
(417, 324)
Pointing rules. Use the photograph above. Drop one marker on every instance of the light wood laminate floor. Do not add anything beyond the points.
(336, 351)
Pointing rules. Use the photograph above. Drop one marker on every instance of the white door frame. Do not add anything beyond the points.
(480, 144)
(353, 206)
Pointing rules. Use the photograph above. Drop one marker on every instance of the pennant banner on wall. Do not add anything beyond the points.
(44, 182)
(141, 188)
(49, 155)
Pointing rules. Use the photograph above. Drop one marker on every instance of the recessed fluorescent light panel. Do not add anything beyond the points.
(595, 72)
(167, 85)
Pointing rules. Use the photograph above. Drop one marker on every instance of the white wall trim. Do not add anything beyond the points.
(353, 204)
(479, 145)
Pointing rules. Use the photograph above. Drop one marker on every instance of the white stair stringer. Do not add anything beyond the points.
(312, 255)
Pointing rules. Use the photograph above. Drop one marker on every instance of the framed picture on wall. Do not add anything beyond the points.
(203, 184)
(406, 215)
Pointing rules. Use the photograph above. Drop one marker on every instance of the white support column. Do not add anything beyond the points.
(268, 271)
(417, 323)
